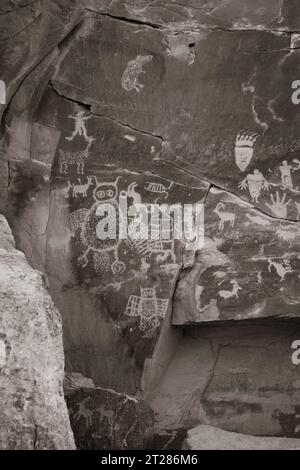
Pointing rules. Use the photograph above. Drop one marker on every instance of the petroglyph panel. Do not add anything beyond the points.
(249, 266)
(252, 147)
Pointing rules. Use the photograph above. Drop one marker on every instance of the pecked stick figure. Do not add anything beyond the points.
(80, 128)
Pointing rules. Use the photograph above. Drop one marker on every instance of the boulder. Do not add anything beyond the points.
(209, 438)
(104, 419)
(33, 412)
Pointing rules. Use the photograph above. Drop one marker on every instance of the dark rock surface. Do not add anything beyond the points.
(104, 419)
(252, 97)
(160, 102)
(239, 378)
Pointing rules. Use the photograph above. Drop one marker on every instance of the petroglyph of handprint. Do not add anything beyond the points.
(278, 206)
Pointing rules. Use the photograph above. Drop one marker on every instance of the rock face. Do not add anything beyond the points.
(159, 103)
(104, 419)
(33, 411)
(248, 267)
(240, 378)
(210, 438)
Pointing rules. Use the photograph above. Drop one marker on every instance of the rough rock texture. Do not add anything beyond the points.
(246, 269)
(162, 102)
(33, 413)
(104, 419)
(241, 379)
(210, 438)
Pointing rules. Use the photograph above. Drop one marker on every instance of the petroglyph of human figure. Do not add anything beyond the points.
(80, 128)
(101, 248)
(279, 206)
(255, 182)
(105, 192)
(129, 80)
(286, 173)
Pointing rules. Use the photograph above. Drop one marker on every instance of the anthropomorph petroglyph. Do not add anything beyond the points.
(226, 294)
(104, 193)
(255, 182)
(244, 149)
(134, 69)
(278, 205)
(281, 268)
(80, 127)
(149, 308)
(224, 216)
(78, 159)
(286, 173)
(102, 248)
(84, 412)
